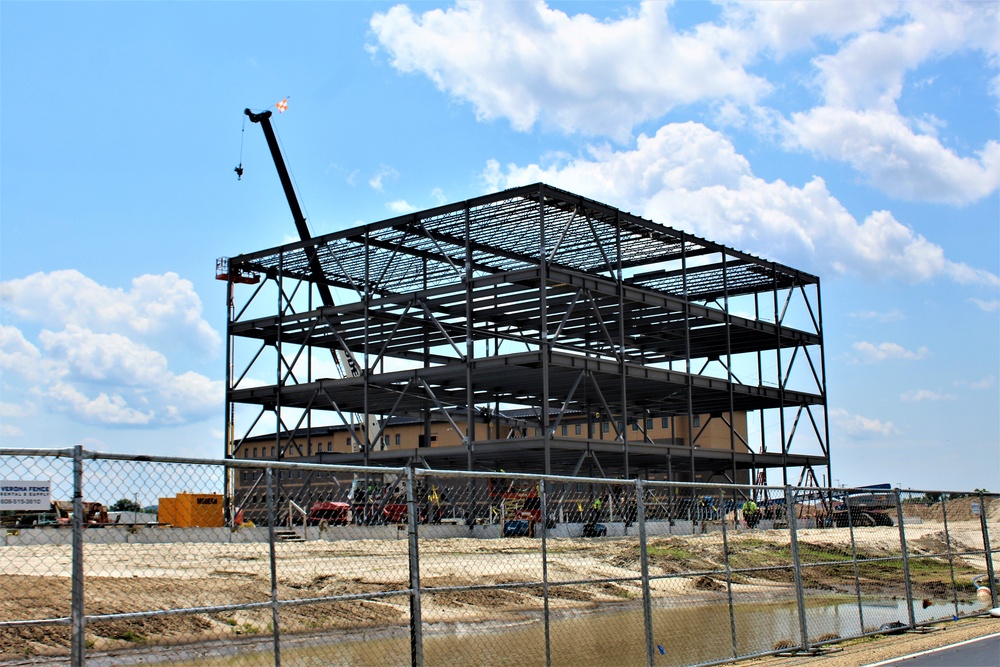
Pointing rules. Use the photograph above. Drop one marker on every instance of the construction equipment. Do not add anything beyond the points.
(60, 514)
(236, 275)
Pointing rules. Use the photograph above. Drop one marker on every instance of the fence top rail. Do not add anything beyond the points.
(801, 493)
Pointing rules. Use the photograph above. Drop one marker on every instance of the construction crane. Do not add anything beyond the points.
(223, 271)
(264, 120)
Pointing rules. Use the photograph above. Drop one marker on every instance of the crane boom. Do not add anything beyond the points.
(264, 120)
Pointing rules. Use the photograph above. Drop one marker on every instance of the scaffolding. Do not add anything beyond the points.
(538, 303)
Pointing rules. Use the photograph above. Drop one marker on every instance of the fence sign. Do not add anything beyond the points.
(16, 494)
(976, 509)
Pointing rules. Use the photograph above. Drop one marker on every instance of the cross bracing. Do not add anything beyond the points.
(536, 297)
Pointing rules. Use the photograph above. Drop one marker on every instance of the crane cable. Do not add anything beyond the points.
(239, 168)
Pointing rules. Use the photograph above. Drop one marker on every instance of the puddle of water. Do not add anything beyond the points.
(684, 635)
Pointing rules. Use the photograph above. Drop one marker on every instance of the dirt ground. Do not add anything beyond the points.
(124, 578)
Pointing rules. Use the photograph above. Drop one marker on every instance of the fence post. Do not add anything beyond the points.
(906, 561)
(77, 617)
(729, 571)
(647, 602)
(987, 550)
(269, 473)
(951, 557)
(412, 523)
(800, 598)
(544, 507)
(854, 561)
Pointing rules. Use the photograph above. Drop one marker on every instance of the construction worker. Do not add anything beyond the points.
(595, 510)
(751, 514)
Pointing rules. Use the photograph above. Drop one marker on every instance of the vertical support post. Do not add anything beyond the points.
(544, 348)
(729, 576)
(854, 562)
(647, 602)
(781, 383)
(987, 550)
(687, 358)
(77, 617)
(729, 368)
(412, 523)
(470, 349)
(951, 558)
(800, 598)
(367, 441)
(229, 500)
(544, 503)
(276, 632)
(619, 280)
(906, 561)
(822, 367)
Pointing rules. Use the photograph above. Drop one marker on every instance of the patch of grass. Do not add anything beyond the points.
(670, 551)
(135, 637)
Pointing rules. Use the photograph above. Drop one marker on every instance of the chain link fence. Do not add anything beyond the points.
(141, 560)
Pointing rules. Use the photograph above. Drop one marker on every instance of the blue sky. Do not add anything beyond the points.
(857, 141)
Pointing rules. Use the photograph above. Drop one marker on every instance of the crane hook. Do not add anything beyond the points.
(239, 172)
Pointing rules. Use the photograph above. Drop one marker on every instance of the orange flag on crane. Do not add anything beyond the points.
(282, 105)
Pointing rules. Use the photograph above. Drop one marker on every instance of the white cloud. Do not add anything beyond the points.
(894, 315)
(384, 173)
(986, 306)
(8, 410)
(163, 310)
(437, 194)
(872, 353)
(860, 426)
(401, 206)
(897, 160)
(110, 379)
(8, 431)
(109, 410)
(860, 123)
(17, 355)
(868, 71)
(987, 382)
(917, 395)
(791, 26)
(526, 62)
(690, 177)
(529, 63)
(100, 359)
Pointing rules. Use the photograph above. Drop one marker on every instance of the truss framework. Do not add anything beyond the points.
(534, 298)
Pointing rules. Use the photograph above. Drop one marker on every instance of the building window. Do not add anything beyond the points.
(255, 452)
(385, 440)
(635, 426)
(538, 431)
(697, 421)
(606, 427)
(398, 440)
(649, 424)
(347, 443)
(565, 429)
(329, 446)
(665, 422)
(578, 429)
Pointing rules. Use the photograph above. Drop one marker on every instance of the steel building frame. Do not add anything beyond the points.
(535, 298)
